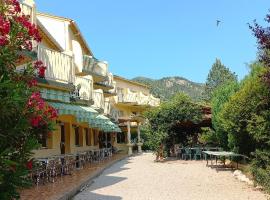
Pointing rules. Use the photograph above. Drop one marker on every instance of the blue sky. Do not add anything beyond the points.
(158, 38)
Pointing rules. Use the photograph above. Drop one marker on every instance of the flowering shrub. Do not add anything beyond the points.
(24, 114)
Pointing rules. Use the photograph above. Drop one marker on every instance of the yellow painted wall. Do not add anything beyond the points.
(134, 87)
(55, 138)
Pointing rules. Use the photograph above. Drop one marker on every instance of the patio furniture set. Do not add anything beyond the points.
(46, 170)
(206, 153)
(194, 153)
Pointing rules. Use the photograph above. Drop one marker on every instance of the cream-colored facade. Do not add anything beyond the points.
(131, 100)
(84, 91)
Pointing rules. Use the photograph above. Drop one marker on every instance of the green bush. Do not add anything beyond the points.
(260, 168)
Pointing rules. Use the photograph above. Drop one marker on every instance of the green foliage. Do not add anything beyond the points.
(260, 167)
(238, 113)
(208, 137)
(218, 76)
(24, 114)
(167, 87)
(163, 120)
(220, 96)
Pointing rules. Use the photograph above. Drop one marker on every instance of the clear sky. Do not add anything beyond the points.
(158, 38)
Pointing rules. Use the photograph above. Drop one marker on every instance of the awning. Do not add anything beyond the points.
(86, 114)
(82, 113)
(102, 122)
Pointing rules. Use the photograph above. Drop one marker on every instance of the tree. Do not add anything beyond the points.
(218, 76)
(237, 113)
(24, 114)
(163, 121)
(220, 96)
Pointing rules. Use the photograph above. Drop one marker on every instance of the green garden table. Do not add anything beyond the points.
(225, 154)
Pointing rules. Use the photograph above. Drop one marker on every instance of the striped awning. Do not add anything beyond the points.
(83, 113)
(105, 124)
(86, 114)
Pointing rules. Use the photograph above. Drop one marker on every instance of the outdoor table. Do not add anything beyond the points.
(221, 154)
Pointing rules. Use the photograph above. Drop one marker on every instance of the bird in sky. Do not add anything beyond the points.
(218, 22)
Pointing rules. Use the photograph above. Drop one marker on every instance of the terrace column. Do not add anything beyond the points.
(139, 144)
(129, 139)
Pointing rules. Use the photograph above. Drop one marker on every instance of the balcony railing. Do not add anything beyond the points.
(107, 107)
(85, 88)
(59, 66)
(98, 98)
(127, 96)
(138, 98)
(109, 81)
(153, 101)
(94, 67)
(143, 99)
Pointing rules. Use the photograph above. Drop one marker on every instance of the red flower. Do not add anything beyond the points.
(32, 83)
(38, 64)
(4, 26)
(53, 112)
(28, 45)
(41, 104)
(35, 121)
(17, 7)
(3, 40)
(41, 72)
(29, 165)
(31, 28)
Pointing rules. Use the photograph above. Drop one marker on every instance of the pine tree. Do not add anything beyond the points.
(218, 76)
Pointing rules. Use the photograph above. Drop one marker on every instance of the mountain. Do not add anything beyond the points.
(167, 87)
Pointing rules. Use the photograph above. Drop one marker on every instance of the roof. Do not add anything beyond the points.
(45, 34)
(130, 81)
(74, 28)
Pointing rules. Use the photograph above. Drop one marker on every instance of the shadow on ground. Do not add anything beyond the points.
(104, 180)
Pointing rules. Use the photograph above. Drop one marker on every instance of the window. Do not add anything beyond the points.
(87, 137)
(121, 138)
(95, 137)
(77, 136)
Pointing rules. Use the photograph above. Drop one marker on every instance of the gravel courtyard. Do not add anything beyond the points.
(142, 179)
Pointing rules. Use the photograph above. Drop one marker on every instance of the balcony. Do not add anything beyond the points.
(59, 66)
(107, 84)
(128, 97)
(98, 69)
(98, 98)
(143, 99)
(107, 107)
(153, 101)
(133, 98)
(83, 90)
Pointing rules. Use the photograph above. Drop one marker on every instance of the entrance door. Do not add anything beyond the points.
(63, 140)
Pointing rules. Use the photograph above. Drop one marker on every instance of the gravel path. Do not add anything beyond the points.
(139, 178)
